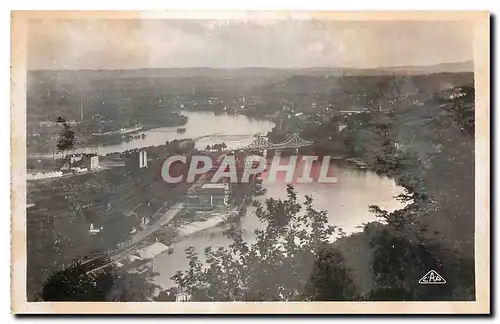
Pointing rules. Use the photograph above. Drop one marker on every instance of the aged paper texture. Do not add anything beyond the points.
(250, 162)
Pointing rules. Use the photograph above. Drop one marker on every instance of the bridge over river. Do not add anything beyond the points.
(262, 143)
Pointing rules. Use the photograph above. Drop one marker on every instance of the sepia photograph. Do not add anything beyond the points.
(250, 162)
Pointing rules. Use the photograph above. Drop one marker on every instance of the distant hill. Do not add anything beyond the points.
(147, 86)
(258, 72)
(355, 83)
(453, 67)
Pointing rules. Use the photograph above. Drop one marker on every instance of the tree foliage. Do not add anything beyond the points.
(66, 137)
(167, 295)
(291, 260)
(76, 283)
(436, 229)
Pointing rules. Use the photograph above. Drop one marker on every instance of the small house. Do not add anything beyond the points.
(214, 194)
(137, 159)
(182, 297)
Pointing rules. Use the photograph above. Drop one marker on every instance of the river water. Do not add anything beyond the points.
(235, 130)
(346, 201)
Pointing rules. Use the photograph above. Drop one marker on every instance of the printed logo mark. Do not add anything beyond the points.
(432, 278)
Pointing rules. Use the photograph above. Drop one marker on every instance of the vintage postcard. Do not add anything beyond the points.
(250, 162)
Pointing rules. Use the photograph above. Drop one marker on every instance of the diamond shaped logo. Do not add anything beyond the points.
(432, 278)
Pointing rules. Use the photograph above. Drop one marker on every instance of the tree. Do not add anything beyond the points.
(436, 168)
(216, 147)
(75, 283)
(132, 287)
(436, 230)
(404, 252)
(289, 260)
(330, 280)
(66, 137)
(167, 295)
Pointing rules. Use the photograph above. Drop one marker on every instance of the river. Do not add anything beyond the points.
(345, 201)
(235, 130)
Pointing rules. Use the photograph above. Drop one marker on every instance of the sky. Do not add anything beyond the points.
(161, 43)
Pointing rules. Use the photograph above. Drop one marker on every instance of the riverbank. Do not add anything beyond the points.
(340, 200)
(234, 130)
(43, 140)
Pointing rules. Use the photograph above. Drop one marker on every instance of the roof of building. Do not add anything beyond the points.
(132, 258)
(214, 186)
(151, 251)
(118, 264)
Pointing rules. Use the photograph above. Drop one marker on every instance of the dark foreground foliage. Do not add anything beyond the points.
(76, 283)
(293, 258)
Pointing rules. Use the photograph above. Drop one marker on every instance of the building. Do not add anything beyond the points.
(301, 116)
(141, 215)
(182, 297)
(142, 260)
(75, 158)
(151, 251)
(213, 194)
(354, 111)
(81, 162)
(137, 159)
(91, 162)
(93, 229)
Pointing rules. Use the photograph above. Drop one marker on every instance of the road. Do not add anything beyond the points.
(169, 214)
(165, 219)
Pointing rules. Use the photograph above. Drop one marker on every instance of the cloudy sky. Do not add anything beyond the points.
(131, 44)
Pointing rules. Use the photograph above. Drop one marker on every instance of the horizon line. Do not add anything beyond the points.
(261, 67)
